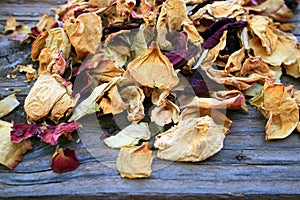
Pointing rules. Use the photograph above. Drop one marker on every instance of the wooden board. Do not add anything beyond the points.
(247, 167)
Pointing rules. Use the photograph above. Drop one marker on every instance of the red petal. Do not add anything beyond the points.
(52, 133)
(64, 160)
(21, 132)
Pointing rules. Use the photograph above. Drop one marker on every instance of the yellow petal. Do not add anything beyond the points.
(153, 69)
(135, 161)
(11, 153)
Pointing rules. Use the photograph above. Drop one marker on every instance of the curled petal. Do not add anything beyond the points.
(64, 160)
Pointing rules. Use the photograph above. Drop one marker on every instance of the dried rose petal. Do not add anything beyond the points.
(47, 133)
(165, 114)
(58, 40)
(146, 73)
(44, 24)
(135, 161)
(11, 25)
(10, 152)
(179, 58)
(140, 10)
(90, 105)
(21, 132)
(134, 97)
(51, 134)
(31, 73)
(49, 98)
(173, 17)
(130, 135)
(218, 10)
(191, 140)
(64, 160)
(260, 25)
(85, 33)
(275, 9)
(214, 39)
(38, 45)
(8, 104)
(279, 108)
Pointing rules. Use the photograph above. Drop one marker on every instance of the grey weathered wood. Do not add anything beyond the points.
(247, 167)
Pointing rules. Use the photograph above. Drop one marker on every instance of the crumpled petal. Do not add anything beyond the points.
(49, 98)
(57, 39)
(260, 25)
(240, 83)
(85, 33)
(38, 45)
(64, 160)
(45, 23)
(51, 134)
(130, 135)
(146, 73)
(117, 47)
(275, 9)
(214, 39)
(90, 105)
(209, 56)
(256, 65)
(135, 161)
(173, 17)
(217, 115)
(47, 133)
(279, 108)
(165, 114)
(239, 103)
(280, 54)
(11, 25)
(8, 104)
(219, 10)
(31, 73)
(191, 140)
(112, 102)
(222, 100)
(235, 61)
(10, 152)
(294, 68)
(134, 97)
(124, 9)
(143, 8)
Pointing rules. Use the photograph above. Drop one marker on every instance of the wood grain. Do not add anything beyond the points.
(247, 167)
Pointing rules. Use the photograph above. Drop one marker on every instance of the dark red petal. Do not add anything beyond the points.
(214, 39)
(21, 132)
(64, 161)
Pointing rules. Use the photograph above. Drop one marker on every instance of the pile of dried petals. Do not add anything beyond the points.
(189, 60)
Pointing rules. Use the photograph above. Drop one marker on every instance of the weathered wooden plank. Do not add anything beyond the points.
(248, 165)
(95, 185)
(162, 172)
